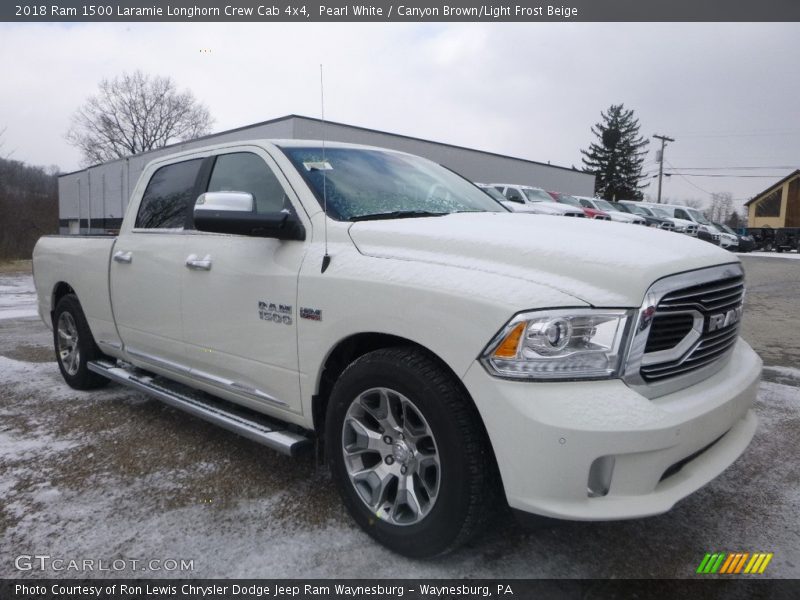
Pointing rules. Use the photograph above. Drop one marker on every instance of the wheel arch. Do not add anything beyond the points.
(60, 289)
(353, 347)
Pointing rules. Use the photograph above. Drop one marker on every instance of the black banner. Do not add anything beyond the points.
(324, 589)
(399, 11)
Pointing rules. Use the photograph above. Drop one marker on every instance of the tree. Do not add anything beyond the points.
(135, 113)
(735, 221)
(695, 203)
(616, 158)
(721, 207)
(2, 143)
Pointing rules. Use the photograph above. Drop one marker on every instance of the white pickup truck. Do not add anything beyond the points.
(447, 355)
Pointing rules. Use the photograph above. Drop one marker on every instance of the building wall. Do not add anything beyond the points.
(95, 199)
(774, 222)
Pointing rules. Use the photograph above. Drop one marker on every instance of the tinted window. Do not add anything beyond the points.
(586, 203)
(682, 214)
(246, 172)
(514, 195)
(169, 196)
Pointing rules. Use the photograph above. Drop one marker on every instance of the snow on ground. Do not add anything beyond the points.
(17, 297)
(759, 254)
(111, 474)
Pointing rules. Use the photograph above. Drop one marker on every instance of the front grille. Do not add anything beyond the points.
(667, 225)
(674, 319)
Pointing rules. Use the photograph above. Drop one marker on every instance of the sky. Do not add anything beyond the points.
(728, 93)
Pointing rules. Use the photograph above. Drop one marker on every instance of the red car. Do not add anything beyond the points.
(591, 213)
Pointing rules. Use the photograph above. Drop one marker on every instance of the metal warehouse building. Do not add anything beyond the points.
(94, 200)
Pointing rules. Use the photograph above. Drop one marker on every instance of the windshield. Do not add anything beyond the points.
(660, 212)
(360, 183)
(636, 209)
(571, 200)
(727, 229)
(493, 193)
(536, 195)
(699, 217)
(605, 205)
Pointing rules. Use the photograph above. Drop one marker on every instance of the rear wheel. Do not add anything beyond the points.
(408, 453)
(74, 345)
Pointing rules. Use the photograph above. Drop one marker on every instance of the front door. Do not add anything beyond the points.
(239, 300)
(147, 267)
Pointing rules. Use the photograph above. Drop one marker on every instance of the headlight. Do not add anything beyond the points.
(559, 344)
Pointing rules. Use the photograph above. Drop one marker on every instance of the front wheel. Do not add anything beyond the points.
(409, 454)
(74, 345)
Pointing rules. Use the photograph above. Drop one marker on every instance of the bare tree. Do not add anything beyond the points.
(693, 203)
(3, 143)
(134, 113)
(721, 206)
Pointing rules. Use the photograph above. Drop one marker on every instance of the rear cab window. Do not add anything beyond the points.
(169, 196)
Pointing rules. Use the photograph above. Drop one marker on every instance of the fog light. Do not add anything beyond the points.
(600, 476)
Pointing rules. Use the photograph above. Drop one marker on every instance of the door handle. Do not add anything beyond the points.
(123, 257)
(199, 264)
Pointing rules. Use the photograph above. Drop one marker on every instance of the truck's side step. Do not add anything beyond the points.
(245, 422)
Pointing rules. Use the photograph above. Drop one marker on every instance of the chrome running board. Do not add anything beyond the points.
(247, 423)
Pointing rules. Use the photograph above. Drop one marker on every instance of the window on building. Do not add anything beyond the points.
(168, 196)
(770, 206)
(246, 172)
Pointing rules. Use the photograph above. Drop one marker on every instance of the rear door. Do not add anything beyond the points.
(147, 266)
(240, 310)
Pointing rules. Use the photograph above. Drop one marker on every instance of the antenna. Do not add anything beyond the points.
(326, 259)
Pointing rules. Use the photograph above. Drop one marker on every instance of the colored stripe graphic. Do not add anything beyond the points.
(732, 563)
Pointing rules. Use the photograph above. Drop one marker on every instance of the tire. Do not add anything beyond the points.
(437, 441)
(74, 345)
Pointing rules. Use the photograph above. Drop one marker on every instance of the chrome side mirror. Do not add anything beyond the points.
(227, 201)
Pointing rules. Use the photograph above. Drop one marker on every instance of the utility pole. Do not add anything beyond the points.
(663, 139)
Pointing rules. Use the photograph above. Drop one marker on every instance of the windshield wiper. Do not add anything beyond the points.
(398, 214)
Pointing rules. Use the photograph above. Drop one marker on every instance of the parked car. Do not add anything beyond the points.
(746, 241)
(534, 200)
(449, 357)
(633, 207)
(591, 213)
(775, 239)
(727, 239)
(614, 212)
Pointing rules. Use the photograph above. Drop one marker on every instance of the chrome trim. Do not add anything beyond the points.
(641, 330)
(112, 345)
(227, 201)
(247, 390)
(159, 362)
(236, 387)
(259, 428)
(196, 263)
(683, 346)
(123, 257)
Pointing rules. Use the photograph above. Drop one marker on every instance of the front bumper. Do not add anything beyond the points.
(546, 436)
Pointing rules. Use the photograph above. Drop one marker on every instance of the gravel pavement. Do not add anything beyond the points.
(115, 475)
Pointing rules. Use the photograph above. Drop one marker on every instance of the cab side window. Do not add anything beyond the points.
(168, 196)
(682, 214)
(586, 204)
(247, 172)
(514, 195)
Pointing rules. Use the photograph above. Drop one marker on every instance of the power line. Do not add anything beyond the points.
(690, 182)
(724, 175)
(735, 168)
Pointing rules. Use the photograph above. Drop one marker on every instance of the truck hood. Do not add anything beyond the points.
(601, 263)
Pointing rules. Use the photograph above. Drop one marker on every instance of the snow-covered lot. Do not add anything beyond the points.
(112, 474)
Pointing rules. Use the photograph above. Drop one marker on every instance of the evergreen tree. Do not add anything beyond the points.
(616, 158)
